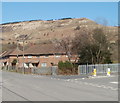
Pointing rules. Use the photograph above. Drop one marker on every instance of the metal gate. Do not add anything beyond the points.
(54, 70)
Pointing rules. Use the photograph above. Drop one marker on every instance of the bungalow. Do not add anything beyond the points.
(43, 55)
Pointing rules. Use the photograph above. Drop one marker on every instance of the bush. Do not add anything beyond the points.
(61, 65)
(68, 65)
(77, 28)
(65, 67)
(65, 18)
(14, 61)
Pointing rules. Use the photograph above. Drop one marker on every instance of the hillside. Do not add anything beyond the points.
(39, 31)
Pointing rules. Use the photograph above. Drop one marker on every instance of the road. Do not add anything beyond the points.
(23, 87)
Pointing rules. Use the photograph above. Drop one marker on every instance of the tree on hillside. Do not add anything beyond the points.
(102, 21)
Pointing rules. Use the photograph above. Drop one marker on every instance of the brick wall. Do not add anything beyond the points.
(38, 59)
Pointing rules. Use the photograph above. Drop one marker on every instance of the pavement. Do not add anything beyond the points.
(23, 87)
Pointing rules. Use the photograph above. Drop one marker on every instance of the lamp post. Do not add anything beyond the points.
(17, 54)
(23, 58)
(23, 38)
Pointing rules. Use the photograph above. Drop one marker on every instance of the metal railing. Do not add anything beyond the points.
(100, 68)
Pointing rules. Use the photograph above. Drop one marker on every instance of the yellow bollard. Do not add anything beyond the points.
(108, 72)
(94, 72)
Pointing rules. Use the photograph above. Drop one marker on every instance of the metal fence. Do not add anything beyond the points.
(100, 68)
(42, 71)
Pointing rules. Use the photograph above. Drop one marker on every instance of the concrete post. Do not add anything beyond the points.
(108, 71)
(94, 72)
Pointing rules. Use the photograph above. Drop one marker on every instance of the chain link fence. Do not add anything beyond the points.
(100, 68)
(82, 69)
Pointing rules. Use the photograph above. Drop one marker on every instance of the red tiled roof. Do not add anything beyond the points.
(44, 49)
(36, 50)
(12, 52)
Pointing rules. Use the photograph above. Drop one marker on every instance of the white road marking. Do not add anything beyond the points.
(114, 82)
(92, 84)
(113, 88)
(68, 80)
(99, 86)
(100, 77)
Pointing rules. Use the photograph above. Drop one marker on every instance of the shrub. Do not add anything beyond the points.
(68, 65)
(65, 67)
(14, 61)
(77, 28)
(65, 18)
(61, 65)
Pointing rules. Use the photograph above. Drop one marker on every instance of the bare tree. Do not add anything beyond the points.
(79, 43)
(65, 44)
(91, 48)
(102, 21)
(102, 43)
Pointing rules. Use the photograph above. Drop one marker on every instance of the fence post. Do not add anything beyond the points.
(79, 70)
(86, 68)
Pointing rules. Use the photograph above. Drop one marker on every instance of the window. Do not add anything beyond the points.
(46, 56)
(57, 56)
(29, 56)
(43, 64)
(37, 56)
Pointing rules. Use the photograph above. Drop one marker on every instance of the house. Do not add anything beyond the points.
(42, 55)
(7, 57)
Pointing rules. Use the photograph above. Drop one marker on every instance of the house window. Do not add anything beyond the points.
(29, 56)
(38, 56)
(57, 56)
(43, 64)
(46, 56)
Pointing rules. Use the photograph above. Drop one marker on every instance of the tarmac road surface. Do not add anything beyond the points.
(23, 87)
